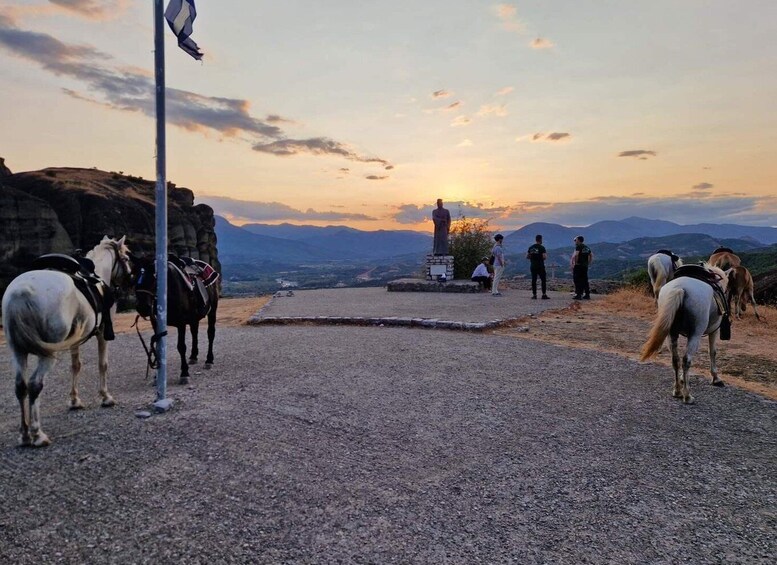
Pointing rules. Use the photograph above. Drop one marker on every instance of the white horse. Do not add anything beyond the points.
(687, 306)
(661, 268)
(44, 313)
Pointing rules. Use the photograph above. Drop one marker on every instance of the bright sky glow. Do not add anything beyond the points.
(364, 113)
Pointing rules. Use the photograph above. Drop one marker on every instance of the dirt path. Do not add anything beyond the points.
(232, 312)
(619, 324)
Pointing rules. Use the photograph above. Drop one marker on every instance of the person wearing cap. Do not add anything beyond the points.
(499, 264)
(537, 255)
(581, 259)
(481, 275)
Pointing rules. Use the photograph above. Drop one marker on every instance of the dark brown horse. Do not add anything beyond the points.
(185, 307)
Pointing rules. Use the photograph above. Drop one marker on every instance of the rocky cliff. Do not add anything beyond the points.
(63, 209)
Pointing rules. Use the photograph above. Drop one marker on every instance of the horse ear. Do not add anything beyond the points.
(106, 238)
(121, 241)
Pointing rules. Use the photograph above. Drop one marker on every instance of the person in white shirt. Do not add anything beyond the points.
(481, 275)
(499, 264)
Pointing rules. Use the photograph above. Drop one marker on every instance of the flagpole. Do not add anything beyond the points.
(162, 402)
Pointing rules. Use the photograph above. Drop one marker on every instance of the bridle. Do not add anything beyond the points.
(122, 260)
(151, 352)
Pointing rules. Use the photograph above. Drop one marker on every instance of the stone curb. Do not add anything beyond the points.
(389, 321)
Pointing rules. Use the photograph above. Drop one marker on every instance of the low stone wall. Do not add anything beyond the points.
(428, 323)
(421, 285)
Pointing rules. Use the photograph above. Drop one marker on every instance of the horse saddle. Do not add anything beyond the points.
(198, 276)
(700, 273)
(97, 292)
(672, 256)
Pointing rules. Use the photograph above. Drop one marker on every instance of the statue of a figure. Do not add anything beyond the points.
(442, 225)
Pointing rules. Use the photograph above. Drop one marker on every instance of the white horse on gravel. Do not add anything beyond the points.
(688, 306)
(44, 313)
(661, 268)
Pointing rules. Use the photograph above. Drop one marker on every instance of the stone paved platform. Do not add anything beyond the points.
(377, 306)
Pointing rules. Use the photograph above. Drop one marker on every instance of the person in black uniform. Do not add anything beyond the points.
(581, 259)
(537, 255)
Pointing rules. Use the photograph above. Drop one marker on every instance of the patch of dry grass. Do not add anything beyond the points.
(628, 301)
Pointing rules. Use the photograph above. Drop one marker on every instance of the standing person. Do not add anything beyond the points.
(442, 225)
(499, 264)
(581, 259)
(537, 255)
(481, 275)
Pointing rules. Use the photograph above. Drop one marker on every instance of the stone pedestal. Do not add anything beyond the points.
(435, 265)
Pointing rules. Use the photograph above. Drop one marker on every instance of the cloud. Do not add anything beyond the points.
(548, 137)
(703, 186)
(376, 177)
(453, 106)
(637, 153)
(314, 146)
(413, 214)
(508, 14)
(94, 9)
(504, 91)
(689, 208)
(492, 110)
(465, 143)
(541, 43)
(461, 121)
(252, 211)
(276, 119)
(441, 94)
(131, 90)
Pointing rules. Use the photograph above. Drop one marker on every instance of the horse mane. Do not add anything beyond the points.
(723, 277)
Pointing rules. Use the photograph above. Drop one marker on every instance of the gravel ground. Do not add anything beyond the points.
(390, 445)
(377, 302)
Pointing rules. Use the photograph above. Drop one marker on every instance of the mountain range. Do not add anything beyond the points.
(293, 244)
(611, 231)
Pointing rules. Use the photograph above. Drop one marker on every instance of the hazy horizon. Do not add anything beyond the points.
(364, 114)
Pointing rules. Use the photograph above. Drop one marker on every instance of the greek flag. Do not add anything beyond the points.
(180, 15)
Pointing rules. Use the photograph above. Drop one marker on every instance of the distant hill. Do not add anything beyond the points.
(323, 243)
(610, 231)
(237, 243)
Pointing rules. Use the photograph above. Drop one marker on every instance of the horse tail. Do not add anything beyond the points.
(657, 274)
(668, 305)
(23, 329)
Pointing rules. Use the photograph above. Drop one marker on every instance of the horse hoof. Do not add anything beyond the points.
(688, 400)
(42, 440)
(208, 366)
(108, 402)
(183, 381)
(192, 360)
(718, 383)
(78, 405)
(25, 440)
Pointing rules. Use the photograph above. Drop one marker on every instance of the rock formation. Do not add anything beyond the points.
(58, 210)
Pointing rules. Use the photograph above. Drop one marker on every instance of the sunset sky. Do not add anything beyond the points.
(363, 113)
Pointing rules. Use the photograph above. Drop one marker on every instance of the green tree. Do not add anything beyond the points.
(469, 242)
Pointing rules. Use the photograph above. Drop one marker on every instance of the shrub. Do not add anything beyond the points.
(51, 173)
(469, 242)
(640, 280)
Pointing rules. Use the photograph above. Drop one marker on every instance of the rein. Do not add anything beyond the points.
(151, 352)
